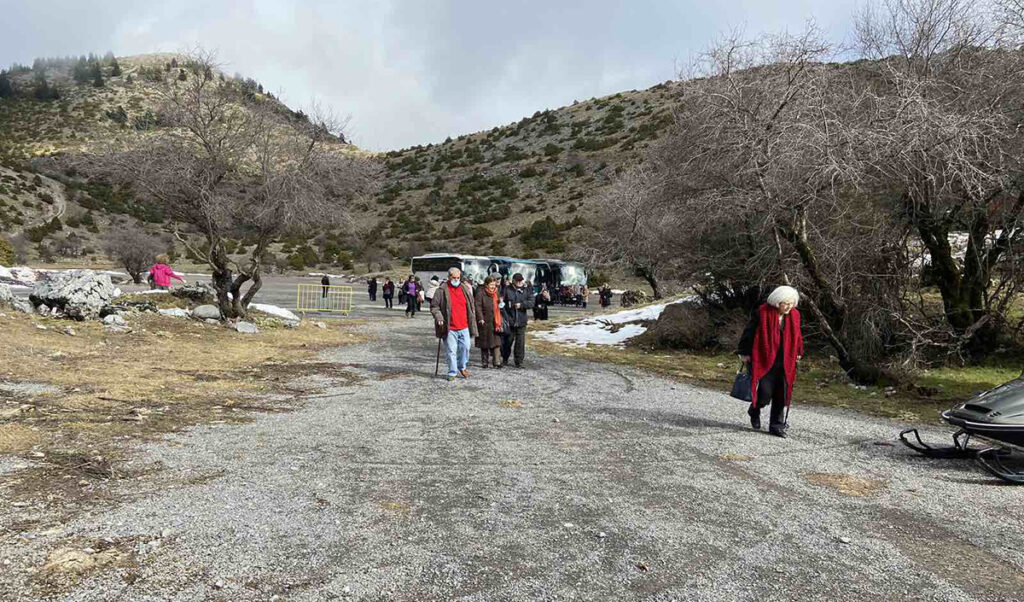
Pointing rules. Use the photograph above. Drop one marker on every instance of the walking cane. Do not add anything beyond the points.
(437, 364)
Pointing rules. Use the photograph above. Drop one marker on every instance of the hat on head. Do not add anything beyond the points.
(435, 278)
(517, 278)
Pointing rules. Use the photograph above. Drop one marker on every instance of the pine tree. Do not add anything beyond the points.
(6, 89)
(115, 68)
(97, 75)
(81, 71)
(181, 75)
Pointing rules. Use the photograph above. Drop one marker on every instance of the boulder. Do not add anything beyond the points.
(200, 292)
(633, 297)
(246, 328)
(6, 296)
(78, 294)
(114, 320)
(693, 327)
(207, 312)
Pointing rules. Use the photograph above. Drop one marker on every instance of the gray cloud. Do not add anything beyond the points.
(414, 71)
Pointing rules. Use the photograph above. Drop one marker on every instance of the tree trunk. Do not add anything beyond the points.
(829, 312)
(652, 279)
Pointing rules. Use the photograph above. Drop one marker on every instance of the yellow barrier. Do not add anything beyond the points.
(331, 299)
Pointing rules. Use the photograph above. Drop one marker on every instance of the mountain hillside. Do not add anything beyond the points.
(523, 188)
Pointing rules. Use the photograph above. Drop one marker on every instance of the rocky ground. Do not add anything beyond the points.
(569, 480)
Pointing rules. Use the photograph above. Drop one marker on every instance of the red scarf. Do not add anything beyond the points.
(766, 343)
(497, 312)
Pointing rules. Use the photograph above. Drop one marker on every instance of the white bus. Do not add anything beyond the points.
(437, 264)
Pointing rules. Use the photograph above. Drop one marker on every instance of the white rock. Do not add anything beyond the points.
(114, 320)
(79, 294)
(207, 312)
(602, 535)
(246, 328)
(175, 312)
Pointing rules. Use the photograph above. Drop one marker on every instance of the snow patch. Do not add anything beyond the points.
(274, 310)
(598, 330)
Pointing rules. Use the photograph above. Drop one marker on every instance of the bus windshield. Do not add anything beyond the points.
(572, 275)
(477, 269)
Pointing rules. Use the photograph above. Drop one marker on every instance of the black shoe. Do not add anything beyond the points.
(755, 420)
(519, 366)
(778, 431)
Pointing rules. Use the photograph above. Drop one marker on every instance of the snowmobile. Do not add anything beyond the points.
(994, 417)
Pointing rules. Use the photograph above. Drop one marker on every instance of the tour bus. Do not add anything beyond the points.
(567, 273)
(438, 264)
(534, 271)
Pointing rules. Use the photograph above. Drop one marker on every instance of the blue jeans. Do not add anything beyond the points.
(457, 347)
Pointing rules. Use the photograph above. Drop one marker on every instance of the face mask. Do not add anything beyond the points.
(454, 282)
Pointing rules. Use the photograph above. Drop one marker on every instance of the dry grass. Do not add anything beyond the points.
(845, 484)
(166, 375)
(819, 382)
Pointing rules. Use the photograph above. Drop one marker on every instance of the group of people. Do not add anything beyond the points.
(494, 315)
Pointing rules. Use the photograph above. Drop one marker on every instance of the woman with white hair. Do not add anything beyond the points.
(772, 344)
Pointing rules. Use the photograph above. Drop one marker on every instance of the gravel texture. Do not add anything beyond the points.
(564, 481)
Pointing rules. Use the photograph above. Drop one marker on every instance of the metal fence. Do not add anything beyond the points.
(328, 299)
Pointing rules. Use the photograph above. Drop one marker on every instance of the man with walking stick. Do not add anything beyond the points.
(455, 319)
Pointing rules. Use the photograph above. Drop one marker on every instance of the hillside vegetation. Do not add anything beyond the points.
(523, 188)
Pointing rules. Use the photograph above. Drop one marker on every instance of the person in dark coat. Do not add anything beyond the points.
(411, 288)
(517, 301)
(541, 303)
(388, 292)
(606, 295)
(325, 282)
(488, 317)
(772, 344)
(371, 288)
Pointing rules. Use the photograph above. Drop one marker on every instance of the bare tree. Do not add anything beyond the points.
(944, 144)
(636, 229)
(232, 165)
(134, 250)
(764, 173)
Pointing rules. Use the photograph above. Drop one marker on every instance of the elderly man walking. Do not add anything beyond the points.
(517, 300)
(452, 308)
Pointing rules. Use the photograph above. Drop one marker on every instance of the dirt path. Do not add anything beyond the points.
(568, 480)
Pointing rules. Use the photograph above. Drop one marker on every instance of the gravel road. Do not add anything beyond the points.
(565, 481)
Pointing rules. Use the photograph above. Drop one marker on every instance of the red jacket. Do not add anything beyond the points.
(766, 344)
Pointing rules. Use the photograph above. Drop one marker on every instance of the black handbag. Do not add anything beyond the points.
(743, 383)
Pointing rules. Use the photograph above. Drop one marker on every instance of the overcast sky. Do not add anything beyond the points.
(415, 71)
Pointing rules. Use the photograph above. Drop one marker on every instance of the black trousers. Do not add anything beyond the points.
(771, 390)
(387, 301)
(410, 307)
(373, 295)
(514, 343)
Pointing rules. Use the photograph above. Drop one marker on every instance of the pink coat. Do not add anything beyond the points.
(162, 275)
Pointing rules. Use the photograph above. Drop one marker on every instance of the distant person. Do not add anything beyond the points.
(541, 303)
(586, 295)
(388, 292)
(517, 300)
(605, 295)
(401, 292)
(435, 282)
(325, 282)
(420, 294)
(772, 344)
(161, 274)
(454, 311)
(488, 318)
(371, 288)
(411, 290)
